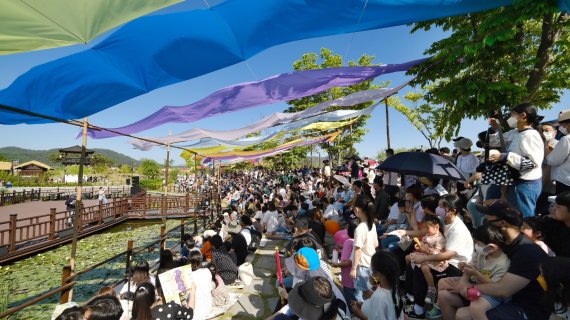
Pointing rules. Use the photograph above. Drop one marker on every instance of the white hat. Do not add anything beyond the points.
(209, 233)
(234, 227)
(464, 144)
(226, 214)
(564, 115)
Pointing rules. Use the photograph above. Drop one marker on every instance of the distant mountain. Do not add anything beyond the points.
(24, 155)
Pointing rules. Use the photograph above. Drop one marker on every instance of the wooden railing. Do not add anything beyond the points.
(69, 279)
(24, 236)
(13, 197)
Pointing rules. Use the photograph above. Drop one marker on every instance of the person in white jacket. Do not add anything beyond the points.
(558, 158)
(525, 154)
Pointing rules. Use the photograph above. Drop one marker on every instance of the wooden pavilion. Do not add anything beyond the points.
(72, 155)
(31, 168)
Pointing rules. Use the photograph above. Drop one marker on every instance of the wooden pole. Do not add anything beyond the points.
(78, 206)
(387, 124)
(351, 141)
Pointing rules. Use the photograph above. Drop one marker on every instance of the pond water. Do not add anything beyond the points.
(28, 278)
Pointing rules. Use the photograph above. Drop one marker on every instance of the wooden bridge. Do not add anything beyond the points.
(22, 237)
(57, 193)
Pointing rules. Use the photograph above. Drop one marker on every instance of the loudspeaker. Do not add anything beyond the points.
(135, 187)
(128, 182)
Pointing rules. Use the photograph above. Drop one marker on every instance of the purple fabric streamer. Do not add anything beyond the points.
(283, 87)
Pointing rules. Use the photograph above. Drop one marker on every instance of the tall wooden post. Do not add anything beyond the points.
(12, 243)
(51, 224)
(387, 124)
(78, 206)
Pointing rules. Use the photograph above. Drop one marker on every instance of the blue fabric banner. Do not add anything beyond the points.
(159, 50)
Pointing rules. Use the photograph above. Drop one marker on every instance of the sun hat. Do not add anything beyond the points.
(503, 211)
(564, 115)
(306, 303)
(234, 227)
(464, 144)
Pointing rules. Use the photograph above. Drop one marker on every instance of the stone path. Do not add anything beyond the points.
(260, 297)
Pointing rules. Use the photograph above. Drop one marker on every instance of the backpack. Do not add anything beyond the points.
(255, 239)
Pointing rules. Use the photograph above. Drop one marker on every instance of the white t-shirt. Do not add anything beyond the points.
(246, 234)
(381, 306)
(467, 164)
(134, 286)
(327, 171)
(394, 212)
(270, 220)
(202, 278)
(458, 240)
(367, 240)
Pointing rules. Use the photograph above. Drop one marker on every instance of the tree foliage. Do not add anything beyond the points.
(101, 163)
(125, 169)
(344, 144)
(4, 158)
(494, 60)
(430, 121)
(149, 168)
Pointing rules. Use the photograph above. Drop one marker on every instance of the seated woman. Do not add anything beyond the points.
(312, 299)
(202, 279)
(225, 266)
(459, 248)
(147, 305)
(141, 273)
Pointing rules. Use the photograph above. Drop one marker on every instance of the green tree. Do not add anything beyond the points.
(4, 158)
(125, 169)
(344, 144)
(173, 175)
(429, 120)
(149, 168)
(101, 163)
(54, 157)
(494, 60)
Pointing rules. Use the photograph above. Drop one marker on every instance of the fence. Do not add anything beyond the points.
(13, 197)
(69, 279)
(22, 237)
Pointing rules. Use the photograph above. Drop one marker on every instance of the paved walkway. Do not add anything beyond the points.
(260, 297)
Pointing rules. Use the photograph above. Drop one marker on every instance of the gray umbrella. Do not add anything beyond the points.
(423, 165)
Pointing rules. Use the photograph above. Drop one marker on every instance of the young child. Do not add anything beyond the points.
(489, 264)
(345, 263)
(432, 243)
(532, 229)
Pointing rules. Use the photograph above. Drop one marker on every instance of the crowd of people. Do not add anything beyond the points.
(387, 245)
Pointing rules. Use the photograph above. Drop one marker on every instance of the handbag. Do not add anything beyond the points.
(500, 174)
(405, 244)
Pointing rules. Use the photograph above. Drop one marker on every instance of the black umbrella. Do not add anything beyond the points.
(423, 165)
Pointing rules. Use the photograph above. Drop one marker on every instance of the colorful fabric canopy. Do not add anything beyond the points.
(277, 118)
(283, 87)
(27, 25)
(225, 144)
(158, 50)
(263, 153)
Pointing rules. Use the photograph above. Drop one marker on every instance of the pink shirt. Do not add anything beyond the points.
(346, 254)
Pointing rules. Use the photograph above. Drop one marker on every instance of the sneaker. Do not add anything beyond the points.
(412, 315)
(408, 304)
(433, 314)
(431, 297)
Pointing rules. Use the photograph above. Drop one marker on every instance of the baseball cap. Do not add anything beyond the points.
(503, 211)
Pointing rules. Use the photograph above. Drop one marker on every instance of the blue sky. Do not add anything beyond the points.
(391, 45)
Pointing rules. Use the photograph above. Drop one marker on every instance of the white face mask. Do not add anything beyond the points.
(481, 250)
(548, 135)
(512, 121)
(440, 212)
(563, 130)
(409, 196)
